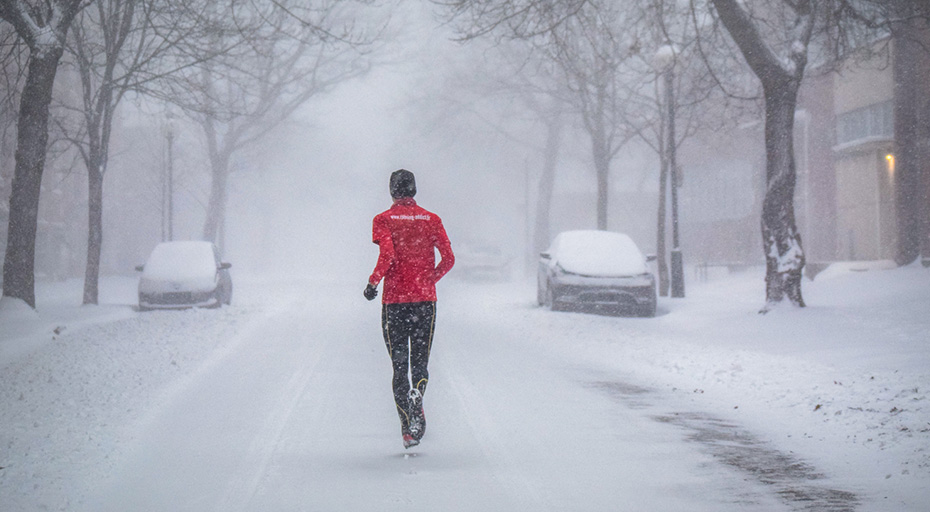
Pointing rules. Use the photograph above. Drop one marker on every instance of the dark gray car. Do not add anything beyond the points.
(184, 274)
(600, 270)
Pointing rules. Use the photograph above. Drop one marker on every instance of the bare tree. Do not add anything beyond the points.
(513, 73)
(115, 47)
(590, 47)
(603, 54)
(13, 65)
(275, 58)
(777, 40)
(511, 19)
(592, 51)
(781, 78)
(43, 27)
(683, 88)
(536, 84)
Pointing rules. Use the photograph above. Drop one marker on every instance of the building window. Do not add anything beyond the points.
(874, 121)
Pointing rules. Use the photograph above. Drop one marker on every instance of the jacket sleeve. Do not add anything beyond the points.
(445, 252)
(381, 235)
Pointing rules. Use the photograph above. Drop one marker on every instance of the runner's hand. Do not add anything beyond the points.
(371, 291)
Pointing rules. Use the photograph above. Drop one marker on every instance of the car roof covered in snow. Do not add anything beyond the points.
(598, 253)
(181, 260)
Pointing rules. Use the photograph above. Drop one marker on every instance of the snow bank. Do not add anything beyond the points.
(88, 375)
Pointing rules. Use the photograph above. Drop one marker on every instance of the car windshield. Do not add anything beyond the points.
(181, 260)
(599, 253)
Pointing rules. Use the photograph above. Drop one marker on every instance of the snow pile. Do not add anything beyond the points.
(18, 319)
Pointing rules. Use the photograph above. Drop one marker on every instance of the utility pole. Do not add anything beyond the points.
(665, 59)
(169, 180)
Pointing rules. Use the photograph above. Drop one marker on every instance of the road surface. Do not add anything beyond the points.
(296, 414)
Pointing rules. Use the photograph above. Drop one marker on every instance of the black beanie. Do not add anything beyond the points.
(403, 184)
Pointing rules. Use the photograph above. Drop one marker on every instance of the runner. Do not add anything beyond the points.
(407, 236)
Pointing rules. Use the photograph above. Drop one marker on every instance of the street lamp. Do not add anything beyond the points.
(665, 63)
(168, 190)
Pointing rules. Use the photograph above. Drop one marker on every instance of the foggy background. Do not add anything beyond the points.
(302, 200)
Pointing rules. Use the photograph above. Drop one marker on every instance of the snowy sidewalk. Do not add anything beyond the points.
(842, 384)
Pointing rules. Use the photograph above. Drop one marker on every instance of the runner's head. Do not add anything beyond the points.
(403, 184)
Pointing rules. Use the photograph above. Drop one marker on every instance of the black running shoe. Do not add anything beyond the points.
(417, 418)
(409, 441)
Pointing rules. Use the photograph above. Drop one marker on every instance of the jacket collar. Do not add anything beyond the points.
(404, 201)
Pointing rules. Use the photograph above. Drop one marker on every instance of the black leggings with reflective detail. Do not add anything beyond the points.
(408, 334)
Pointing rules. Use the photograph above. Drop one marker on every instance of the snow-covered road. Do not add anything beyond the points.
(283, 402)
(296, 414)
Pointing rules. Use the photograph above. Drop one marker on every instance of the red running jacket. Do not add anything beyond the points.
(406, 235)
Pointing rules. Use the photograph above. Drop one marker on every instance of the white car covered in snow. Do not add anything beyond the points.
(183, 275)
(601, 269)
(482, 262)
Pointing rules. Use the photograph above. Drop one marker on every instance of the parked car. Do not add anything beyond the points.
(599, 269)
(184, 275)
(482, 262)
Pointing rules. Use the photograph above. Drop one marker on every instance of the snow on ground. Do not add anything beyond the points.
(842, 382)
(73, 376)
(708, 406)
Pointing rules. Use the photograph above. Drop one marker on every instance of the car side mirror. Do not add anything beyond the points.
(224, 265)
(651, 257)
(545, 255)
(140, 268)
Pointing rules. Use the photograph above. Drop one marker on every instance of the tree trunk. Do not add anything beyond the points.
(547, 184)
(781, 78)
(925, 181)
(602, 168)
(19, 262)
(661, 249)
(910, 196)
(99, 124)
(216, 208)
(784, 257)
(94, 229)
(98, 131)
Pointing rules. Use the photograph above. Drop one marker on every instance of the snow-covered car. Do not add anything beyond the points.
(184, 274)
(601, 269)
(482, 262)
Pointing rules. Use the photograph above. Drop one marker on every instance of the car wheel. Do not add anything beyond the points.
(218, 298)
(551, 300)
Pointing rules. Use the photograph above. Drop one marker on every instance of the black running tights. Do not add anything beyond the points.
(408, 334)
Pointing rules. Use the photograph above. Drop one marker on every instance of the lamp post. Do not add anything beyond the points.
(169, 178)
(665, 61)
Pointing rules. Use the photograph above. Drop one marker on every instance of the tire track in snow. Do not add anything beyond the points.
(242, 489)
(485, 430)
